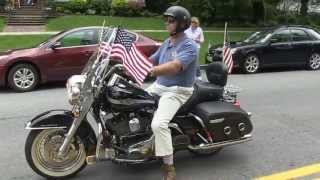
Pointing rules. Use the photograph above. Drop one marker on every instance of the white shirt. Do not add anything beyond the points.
(195, 34)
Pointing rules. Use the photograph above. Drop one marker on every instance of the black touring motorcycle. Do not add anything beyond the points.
(111, 120)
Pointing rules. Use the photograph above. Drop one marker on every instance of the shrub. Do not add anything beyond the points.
(2, 4)
(100, 6)
(77, 6)
(122, 8)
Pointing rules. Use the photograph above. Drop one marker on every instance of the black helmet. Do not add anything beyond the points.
(181, 15)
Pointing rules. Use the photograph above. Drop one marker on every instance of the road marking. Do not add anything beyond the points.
(294, 173)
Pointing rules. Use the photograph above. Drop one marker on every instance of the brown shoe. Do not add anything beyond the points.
(169, 172)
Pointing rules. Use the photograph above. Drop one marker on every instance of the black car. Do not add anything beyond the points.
(277, 46)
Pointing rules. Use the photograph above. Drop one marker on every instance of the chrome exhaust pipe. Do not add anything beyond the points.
(245, 138)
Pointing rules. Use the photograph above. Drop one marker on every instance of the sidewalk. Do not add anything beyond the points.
(23, 29)
(55, 32)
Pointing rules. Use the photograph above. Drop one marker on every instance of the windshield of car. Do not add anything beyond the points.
(49, 39)
(259, 37)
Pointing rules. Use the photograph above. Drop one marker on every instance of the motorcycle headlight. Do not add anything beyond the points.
(74, 85)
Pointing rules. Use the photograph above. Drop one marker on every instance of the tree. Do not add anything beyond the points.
(304, 7)
(259, 11)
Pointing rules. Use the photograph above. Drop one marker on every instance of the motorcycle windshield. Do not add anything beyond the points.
(93, 72)
(104, 36)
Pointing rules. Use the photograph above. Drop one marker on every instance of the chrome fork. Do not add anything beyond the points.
(66, 143)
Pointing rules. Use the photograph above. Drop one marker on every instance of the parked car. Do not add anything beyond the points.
(56, 59)
(277, 46)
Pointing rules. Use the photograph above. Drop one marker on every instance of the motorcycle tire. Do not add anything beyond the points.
(41, 149)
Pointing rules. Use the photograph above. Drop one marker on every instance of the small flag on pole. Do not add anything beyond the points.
(124, 48)
(227, 56)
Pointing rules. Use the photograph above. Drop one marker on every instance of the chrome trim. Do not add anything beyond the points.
(245, 138)
(99, 140)
(227, 130)
(93, 123)
(141, 143)
(143, 147)
(63, 148)
(176, 127)
(131, 161)
(213, 121)
(69, 47)
(242, 127)
(198, 119)
(203, 139)
(28, 127)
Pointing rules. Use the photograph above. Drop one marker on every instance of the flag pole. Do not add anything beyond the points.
(100, 39)
(225, 33)
(209, 44)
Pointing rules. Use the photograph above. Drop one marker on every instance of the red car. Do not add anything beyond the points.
(56, 59)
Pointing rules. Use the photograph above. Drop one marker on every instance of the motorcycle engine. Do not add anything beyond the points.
(131, 127)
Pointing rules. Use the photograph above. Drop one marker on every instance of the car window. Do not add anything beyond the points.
(299, 35)
(314, 34)
(281, 36)
(258, 37)
(80, 38)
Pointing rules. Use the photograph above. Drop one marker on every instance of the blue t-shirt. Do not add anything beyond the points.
(185, 50)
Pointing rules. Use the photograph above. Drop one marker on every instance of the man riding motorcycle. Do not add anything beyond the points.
(175, 67)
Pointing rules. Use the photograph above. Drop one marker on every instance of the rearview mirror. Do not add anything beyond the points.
(55, 45)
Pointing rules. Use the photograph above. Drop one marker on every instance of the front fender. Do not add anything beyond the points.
(57, 118)
(60, 119)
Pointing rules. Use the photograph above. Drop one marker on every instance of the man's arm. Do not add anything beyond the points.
(169, 68)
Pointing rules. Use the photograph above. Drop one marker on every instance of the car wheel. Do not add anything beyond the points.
(23, 77)
(314, 61)
(251, 64)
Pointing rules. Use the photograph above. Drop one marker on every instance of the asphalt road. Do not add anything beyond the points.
(285, 107)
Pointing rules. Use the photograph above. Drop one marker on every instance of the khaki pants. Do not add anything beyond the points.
(172, 98)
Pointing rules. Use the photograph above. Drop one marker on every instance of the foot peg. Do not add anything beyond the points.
(91, 160)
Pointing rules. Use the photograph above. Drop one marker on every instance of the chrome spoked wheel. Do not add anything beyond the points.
(314, 61)
(44, 155)
(24, 78)
(251, 64)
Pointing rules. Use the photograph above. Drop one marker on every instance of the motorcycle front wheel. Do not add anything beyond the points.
(41, 151)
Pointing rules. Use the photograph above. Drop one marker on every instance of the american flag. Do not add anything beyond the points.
(124, 48)
(227, 56)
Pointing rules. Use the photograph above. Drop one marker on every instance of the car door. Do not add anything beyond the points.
(279, 49)
(75, 50)
(301, 46)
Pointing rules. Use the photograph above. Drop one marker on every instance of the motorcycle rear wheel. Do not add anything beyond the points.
(41, 150)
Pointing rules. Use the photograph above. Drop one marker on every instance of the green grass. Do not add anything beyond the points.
(25, 41)
(152, 23)
(1, 24)
(72, 21)
(21, 41)
(213, 37)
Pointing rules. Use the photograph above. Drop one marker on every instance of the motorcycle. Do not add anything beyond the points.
(111, 120)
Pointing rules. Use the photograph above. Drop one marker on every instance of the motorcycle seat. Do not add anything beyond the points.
(203, 91)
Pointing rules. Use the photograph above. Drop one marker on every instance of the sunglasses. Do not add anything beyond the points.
(169, 20)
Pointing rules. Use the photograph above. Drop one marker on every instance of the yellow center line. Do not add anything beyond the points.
(294, 173)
